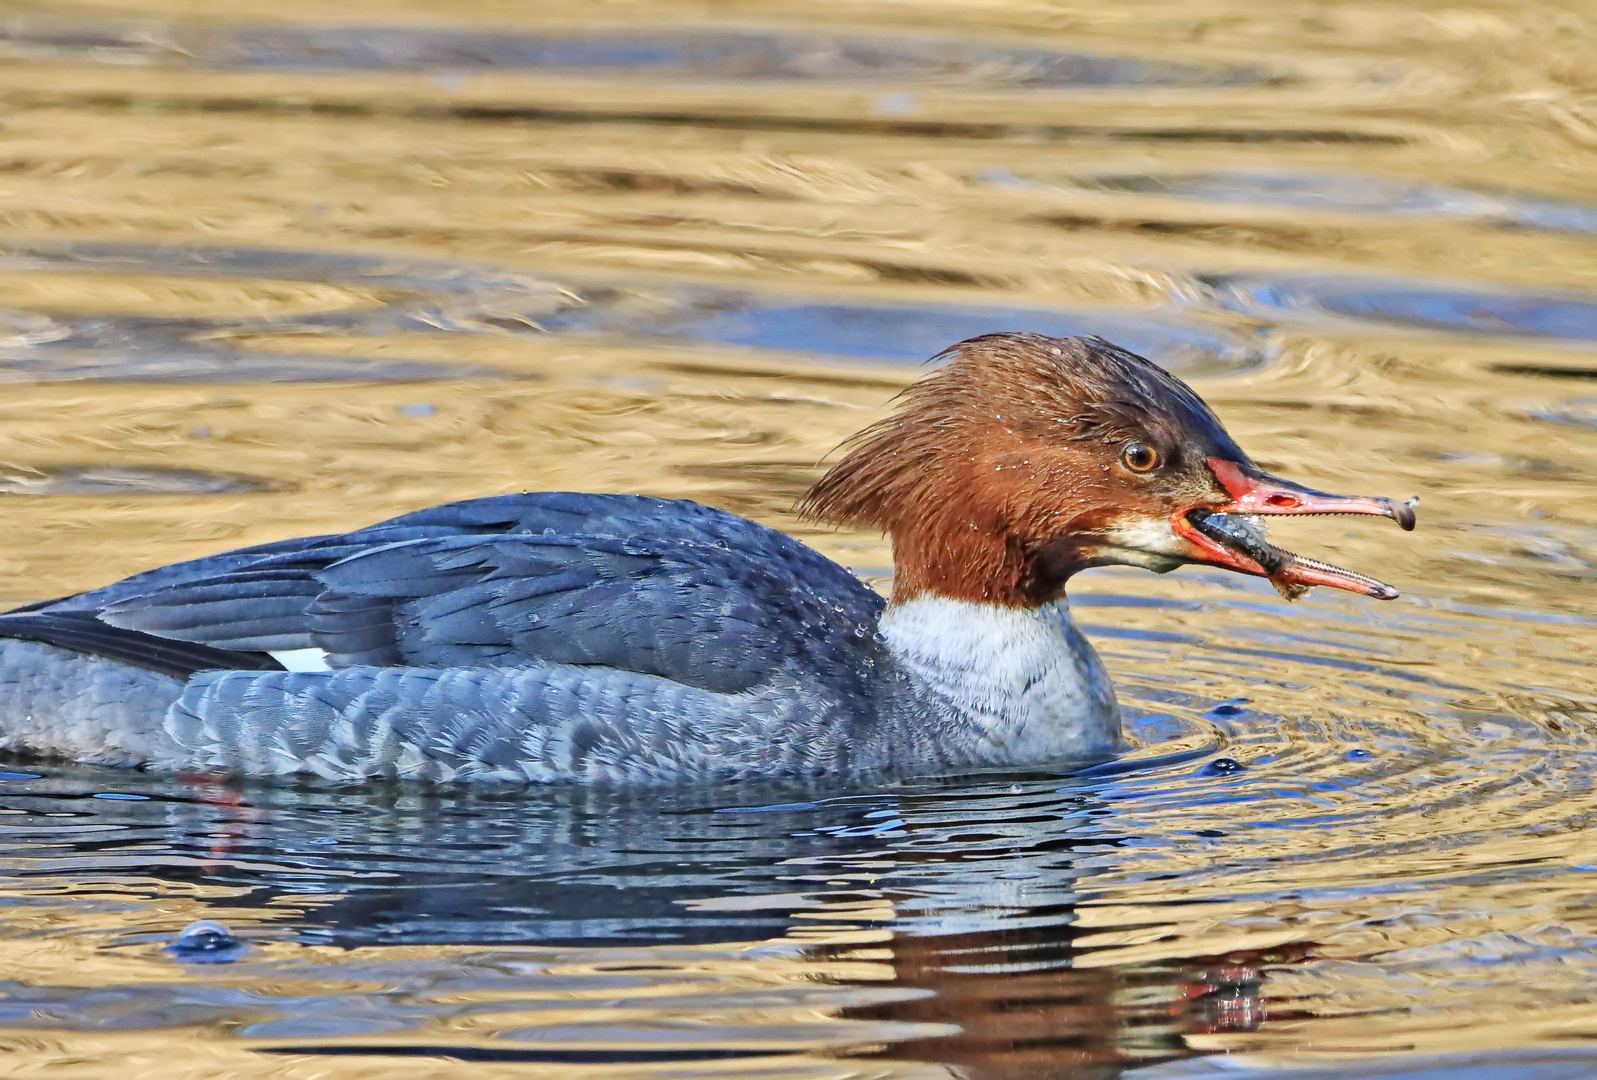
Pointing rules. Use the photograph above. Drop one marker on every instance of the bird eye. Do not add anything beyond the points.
(1140, 457)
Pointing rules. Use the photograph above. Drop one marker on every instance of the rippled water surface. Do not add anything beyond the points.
(271, 269)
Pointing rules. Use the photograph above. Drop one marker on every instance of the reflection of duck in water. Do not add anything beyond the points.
(554, 636)
(1028, 1009)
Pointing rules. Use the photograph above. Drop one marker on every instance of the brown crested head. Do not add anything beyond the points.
(1026, 458)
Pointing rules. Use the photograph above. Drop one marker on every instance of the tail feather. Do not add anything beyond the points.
(82, 632)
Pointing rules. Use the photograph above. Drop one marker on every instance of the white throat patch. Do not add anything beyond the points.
(1025, 676)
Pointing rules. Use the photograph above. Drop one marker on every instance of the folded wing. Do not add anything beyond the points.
(674, 589)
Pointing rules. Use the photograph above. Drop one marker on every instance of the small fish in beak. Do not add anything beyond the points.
(1235, 535)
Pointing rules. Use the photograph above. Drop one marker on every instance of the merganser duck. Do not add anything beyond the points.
(556, 636)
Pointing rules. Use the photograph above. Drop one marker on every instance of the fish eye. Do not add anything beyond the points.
(1140, 457)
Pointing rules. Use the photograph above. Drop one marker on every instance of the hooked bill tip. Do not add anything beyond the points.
(1401, 512)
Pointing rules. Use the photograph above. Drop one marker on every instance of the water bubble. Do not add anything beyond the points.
(206, 942)
(1222, 766)
(1357, 755)
(1229, 708)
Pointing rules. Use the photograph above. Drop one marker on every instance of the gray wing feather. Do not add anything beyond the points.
(249, 609)
(558, 512)
(667, 588)
(697, 613)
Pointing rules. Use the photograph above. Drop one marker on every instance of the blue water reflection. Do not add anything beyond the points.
(434, 296)
(1344, 194)
(914, 332)
(702, 52)
(1459, 309)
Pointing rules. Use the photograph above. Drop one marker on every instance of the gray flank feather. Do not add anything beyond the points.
(540, 723)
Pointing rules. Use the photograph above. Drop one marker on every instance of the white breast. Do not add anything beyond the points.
(1025, 677)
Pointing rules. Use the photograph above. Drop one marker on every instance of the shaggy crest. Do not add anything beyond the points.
(998, 466)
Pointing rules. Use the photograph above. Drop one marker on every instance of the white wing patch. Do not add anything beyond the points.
(301, 659)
